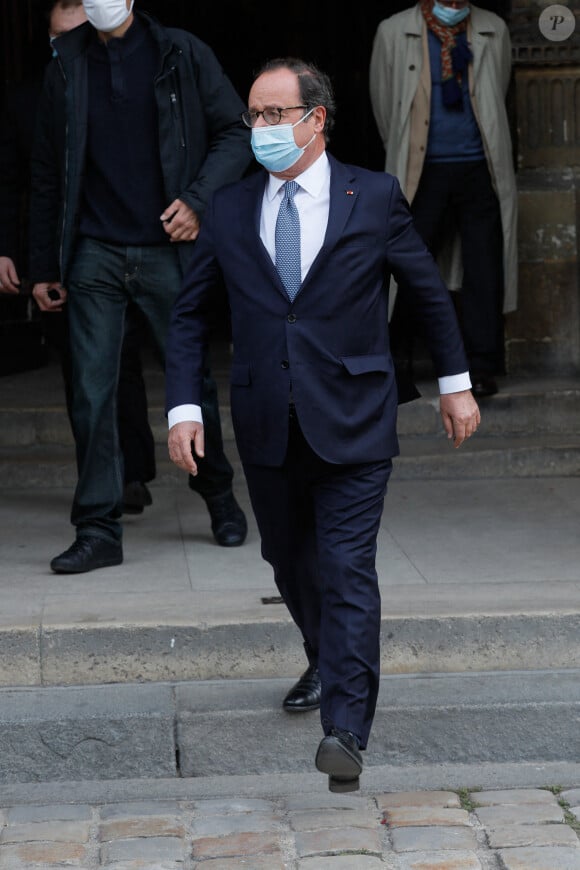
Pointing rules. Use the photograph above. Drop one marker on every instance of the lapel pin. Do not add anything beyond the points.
(349, 192)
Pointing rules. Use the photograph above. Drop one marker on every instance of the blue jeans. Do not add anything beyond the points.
(102, 280)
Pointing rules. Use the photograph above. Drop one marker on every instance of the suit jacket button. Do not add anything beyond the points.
(285, 364)
(291, 318)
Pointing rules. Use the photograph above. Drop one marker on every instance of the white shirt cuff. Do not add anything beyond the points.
(192, 413)
(184, 414)
(454, 383)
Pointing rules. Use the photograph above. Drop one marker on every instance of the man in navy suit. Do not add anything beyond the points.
(313, 391)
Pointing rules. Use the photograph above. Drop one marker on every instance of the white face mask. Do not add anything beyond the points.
(107, 15)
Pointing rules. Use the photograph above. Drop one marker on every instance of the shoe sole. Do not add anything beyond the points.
(104, 563)
(229, 543)
(341, 786)
(342, 768)
(309, 709)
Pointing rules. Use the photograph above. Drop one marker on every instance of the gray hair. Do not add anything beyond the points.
(315, 86)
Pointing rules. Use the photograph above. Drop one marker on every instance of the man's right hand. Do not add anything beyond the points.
(42, 293)
(185, 440)
(9, 280)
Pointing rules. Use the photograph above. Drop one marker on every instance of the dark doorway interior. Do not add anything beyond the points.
(244, 33)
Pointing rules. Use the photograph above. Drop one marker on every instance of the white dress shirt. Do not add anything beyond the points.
(312, 201)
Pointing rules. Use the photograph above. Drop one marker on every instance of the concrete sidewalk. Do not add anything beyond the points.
(459, 556)
(162, 666)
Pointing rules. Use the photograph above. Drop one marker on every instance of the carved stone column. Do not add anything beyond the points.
(543, 335)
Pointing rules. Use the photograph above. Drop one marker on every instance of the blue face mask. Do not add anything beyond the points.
(274, 146)
(448, 16)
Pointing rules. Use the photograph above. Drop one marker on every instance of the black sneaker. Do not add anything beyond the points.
(136, 497)
(483, 385)
(86, 554)
(228, 522)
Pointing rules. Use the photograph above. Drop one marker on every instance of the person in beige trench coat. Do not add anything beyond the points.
(400, 91)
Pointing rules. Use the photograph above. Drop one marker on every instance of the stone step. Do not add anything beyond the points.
(167, 635)
(524, 409)
(530, 428)
(421, 457)
(237, 727)
(494, 457)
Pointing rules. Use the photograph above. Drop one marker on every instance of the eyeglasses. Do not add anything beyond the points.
(271, 115)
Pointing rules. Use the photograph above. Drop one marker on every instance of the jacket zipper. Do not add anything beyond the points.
(175, 108)
(65, 192)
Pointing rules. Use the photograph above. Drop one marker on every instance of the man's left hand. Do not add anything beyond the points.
(180, 222)
(460, 415)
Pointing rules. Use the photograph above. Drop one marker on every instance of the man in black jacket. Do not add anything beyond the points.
(138, 125)
(16, 137)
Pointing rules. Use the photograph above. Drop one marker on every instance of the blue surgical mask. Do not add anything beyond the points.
(274, 146)
(449, 16)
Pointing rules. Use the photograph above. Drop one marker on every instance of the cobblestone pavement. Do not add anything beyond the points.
(517, 829)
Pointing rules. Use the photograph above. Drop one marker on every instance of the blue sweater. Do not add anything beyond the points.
(453, 132)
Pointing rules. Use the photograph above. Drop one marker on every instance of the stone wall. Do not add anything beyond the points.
(543, 335)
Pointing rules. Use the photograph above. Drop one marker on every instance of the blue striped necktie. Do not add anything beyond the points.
(288, 241)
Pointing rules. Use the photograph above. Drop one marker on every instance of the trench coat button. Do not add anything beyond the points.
(412, 66)
(285, 364)
(291, 318)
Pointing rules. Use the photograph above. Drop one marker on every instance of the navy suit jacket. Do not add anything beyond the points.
(332, 343)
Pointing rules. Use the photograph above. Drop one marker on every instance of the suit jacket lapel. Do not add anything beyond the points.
(344, 193)
(251, 216)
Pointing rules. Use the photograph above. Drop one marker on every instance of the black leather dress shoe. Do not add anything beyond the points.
(305, 694)
(338, 755)
(228, 522)
(483, 385)
(86, 554)
(136, 497)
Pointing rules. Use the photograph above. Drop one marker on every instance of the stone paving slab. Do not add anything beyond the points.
(541, 858)
(514, 835)
(525, 814)
(307, 831)
(517, 796)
